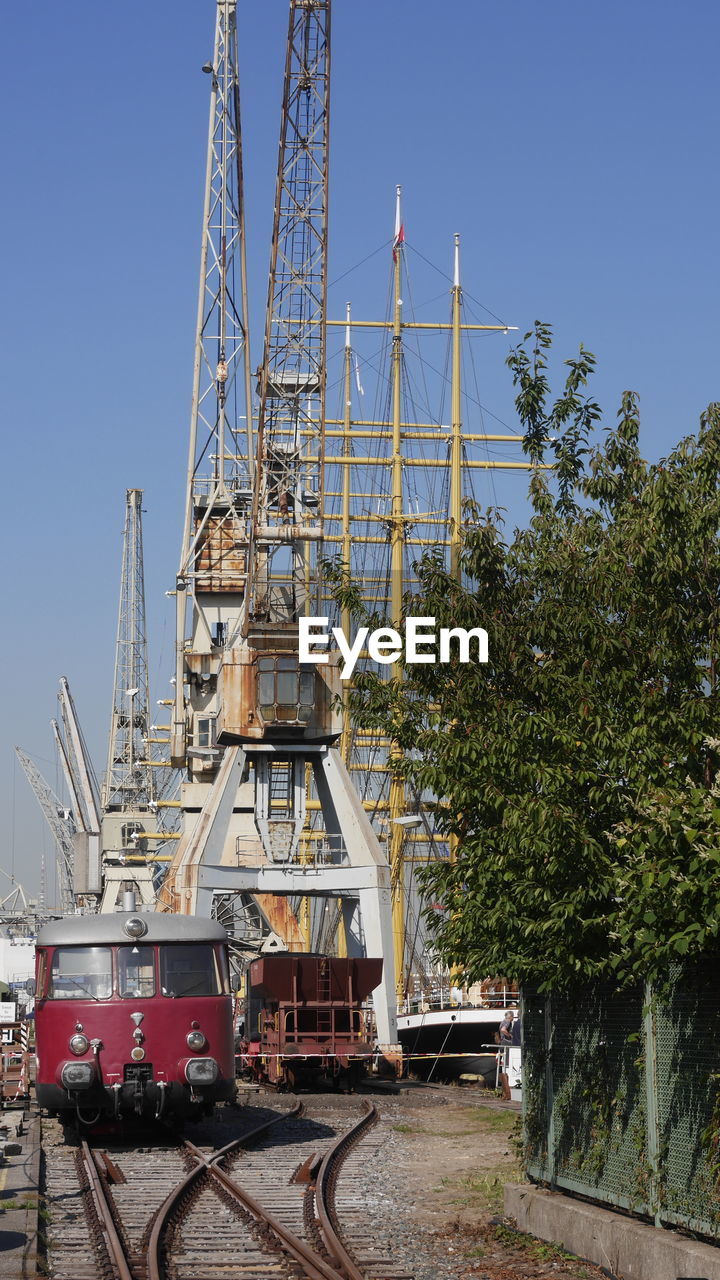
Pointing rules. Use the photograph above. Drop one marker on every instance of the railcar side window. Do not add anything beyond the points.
(221, 957)
(189, 970)
(41, 974)
(81, 973)
(136, 972)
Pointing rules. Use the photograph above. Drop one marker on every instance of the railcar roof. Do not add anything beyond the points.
(108, 929)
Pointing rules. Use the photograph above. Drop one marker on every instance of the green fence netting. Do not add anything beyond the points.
(621, 1096)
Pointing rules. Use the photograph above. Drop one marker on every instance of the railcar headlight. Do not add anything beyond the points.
(77, 1075)
(79, 1045)
(135, 927)
(201, 1071)
(195, 1040)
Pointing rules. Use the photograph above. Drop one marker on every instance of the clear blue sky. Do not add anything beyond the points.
(573, 146)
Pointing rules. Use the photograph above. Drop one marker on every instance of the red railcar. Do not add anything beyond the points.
(133, 1013)
(304, 1019)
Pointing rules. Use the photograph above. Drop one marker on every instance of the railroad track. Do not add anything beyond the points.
(265, 1204)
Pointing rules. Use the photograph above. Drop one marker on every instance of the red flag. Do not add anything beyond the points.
(399, 239)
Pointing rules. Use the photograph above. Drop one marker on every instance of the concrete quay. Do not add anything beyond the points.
(627, 1249)
(19, 1195)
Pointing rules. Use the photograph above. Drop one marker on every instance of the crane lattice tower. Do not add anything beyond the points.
(251, 725)
(129, 793)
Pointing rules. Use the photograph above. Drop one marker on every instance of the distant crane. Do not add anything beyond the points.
(250, 724)
(20, 916)
(75, 828)
(103, 836)
(83, 789)
(84, 786)
(129, 800)
(129, 782)
(85, 806)
(60, 820)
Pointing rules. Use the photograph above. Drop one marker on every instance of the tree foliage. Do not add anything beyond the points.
(578, 768)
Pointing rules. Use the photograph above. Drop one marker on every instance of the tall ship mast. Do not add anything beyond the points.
(396, 482)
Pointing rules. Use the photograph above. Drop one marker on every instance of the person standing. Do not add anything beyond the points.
(505, 1028)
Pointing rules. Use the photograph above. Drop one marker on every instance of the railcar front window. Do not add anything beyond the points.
(189, 971)
(81, 973)
(136, 972)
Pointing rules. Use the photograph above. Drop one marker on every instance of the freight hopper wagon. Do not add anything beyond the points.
(133, 1015)
(304, 1020)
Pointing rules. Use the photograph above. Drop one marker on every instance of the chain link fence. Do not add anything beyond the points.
(621, 1096)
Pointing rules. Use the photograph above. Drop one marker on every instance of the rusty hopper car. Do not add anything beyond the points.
(304, 1020)
(133, 1015)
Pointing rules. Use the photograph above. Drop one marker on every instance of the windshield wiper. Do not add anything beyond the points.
(197, 987)
(80, 987)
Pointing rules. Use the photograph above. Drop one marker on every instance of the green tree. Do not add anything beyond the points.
(578, 766)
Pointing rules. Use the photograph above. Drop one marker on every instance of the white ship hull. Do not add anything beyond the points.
(443, 1044)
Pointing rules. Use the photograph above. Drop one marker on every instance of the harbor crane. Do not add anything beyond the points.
(83, 788)
(130, 796)
(61, 824)
(251, 724)
(75, 827)
(20, 915)
(106, 836)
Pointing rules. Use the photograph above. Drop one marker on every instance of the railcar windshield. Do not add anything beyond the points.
(190, 970)
(136, 972)
(81, 973)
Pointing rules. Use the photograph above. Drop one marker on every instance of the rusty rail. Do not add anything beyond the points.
(339, 1265)
(113, 1243)
(325, 1191)
(314, 1267)
(206, 1165)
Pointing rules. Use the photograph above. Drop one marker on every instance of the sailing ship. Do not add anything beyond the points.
(395, 488)
(458, 1037)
